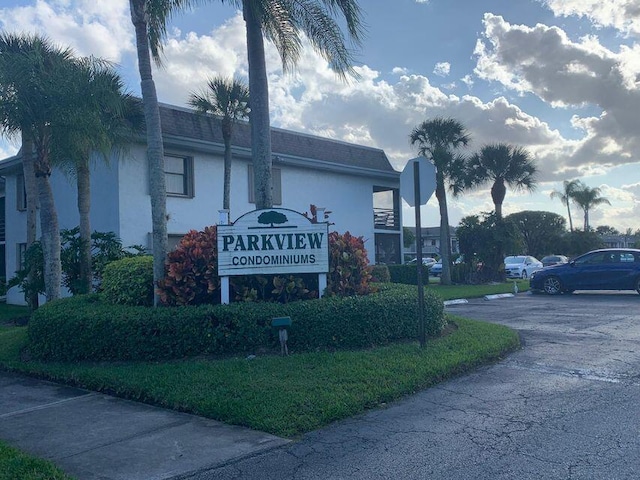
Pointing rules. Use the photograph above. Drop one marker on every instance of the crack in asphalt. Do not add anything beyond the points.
(586, 374)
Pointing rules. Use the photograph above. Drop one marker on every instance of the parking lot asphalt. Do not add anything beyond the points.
(565, 406)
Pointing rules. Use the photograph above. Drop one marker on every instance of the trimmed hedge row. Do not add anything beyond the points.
(85, 328)
(408, 274)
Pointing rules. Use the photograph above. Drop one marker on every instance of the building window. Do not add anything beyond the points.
(276, 186)
(178, 173)
(21, 252)
(173, 239)
(21, 193)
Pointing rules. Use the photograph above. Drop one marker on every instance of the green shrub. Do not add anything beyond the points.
(274, 288)
(129, 281)
(85, 328)
(461, 273)
(380, 273)
(408, 274)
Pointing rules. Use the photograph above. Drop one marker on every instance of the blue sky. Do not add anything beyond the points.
(558, 77)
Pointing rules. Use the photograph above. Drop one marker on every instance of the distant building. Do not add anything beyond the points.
(619, 241)
(431, 243)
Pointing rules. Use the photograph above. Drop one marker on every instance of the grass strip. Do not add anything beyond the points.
(285, 396)
(450, 292)
(15, 465)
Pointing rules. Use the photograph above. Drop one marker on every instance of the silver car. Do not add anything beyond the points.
(521, 266)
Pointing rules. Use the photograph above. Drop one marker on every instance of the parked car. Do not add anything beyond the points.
(521, 266)
(554, 260)
(428, 261)
(605, 269)
(436, 269)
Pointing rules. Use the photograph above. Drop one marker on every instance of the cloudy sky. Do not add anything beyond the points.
(558, 77)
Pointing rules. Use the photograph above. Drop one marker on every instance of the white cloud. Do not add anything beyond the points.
(442, 69)
(399, 71)
(623, 15)
(99, 28)
(542, 60)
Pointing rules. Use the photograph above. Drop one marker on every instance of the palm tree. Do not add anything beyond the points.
(283, 22)
(12, 48)
(587, 198)
(565, 196)
(503, 165)
(438, 140)
(149, 18)
(31, 70)
(100, 118)
(228, 99)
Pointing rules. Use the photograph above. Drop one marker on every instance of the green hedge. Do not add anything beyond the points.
(408, 274)
(85, 328)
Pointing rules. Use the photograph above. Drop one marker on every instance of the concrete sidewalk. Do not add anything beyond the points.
(94, 436)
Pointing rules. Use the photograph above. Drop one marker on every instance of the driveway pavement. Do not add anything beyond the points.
(566, 406)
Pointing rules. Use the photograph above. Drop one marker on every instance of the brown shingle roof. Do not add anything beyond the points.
(185, 123)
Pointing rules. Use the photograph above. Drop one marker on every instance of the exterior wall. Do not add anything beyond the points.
(103, 212)
(348, 197)
(121, 201)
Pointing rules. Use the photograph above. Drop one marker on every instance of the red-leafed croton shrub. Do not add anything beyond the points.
(348, 261)
(192, 270)
(192, 276)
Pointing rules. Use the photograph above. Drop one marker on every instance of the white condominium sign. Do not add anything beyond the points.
(271, 241)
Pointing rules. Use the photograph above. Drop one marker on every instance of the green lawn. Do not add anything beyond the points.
(15, 465)
(286, 396)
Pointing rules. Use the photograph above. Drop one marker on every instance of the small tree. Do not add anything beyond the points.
(482, 242)
(408, 237)
(227, 99)
(541, 231)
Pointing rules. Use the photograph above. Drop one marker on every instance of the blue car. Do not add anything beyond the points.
(606, 269)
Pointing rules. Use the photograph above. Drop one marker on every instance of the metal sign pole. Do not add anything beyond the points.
(416, 186)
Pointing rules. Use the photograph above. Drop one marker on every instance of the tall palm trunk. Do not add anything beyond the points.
(48, 224)
(84, 207)
(155, 149)
(445, 240)
(31, 189)
(569, 214)
(498, 192)
(226, 136)
(259, 115)
(586, 219)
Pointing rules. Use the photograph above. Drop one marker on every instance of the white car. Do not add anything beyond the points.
(521, 266)
(426, 261)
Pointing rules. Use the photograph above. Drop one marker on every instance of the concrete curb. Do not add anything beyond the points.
(498, 295)
(457, 301)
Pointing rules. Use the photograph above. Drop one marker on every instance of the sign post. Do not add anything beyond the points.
(417, 184)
